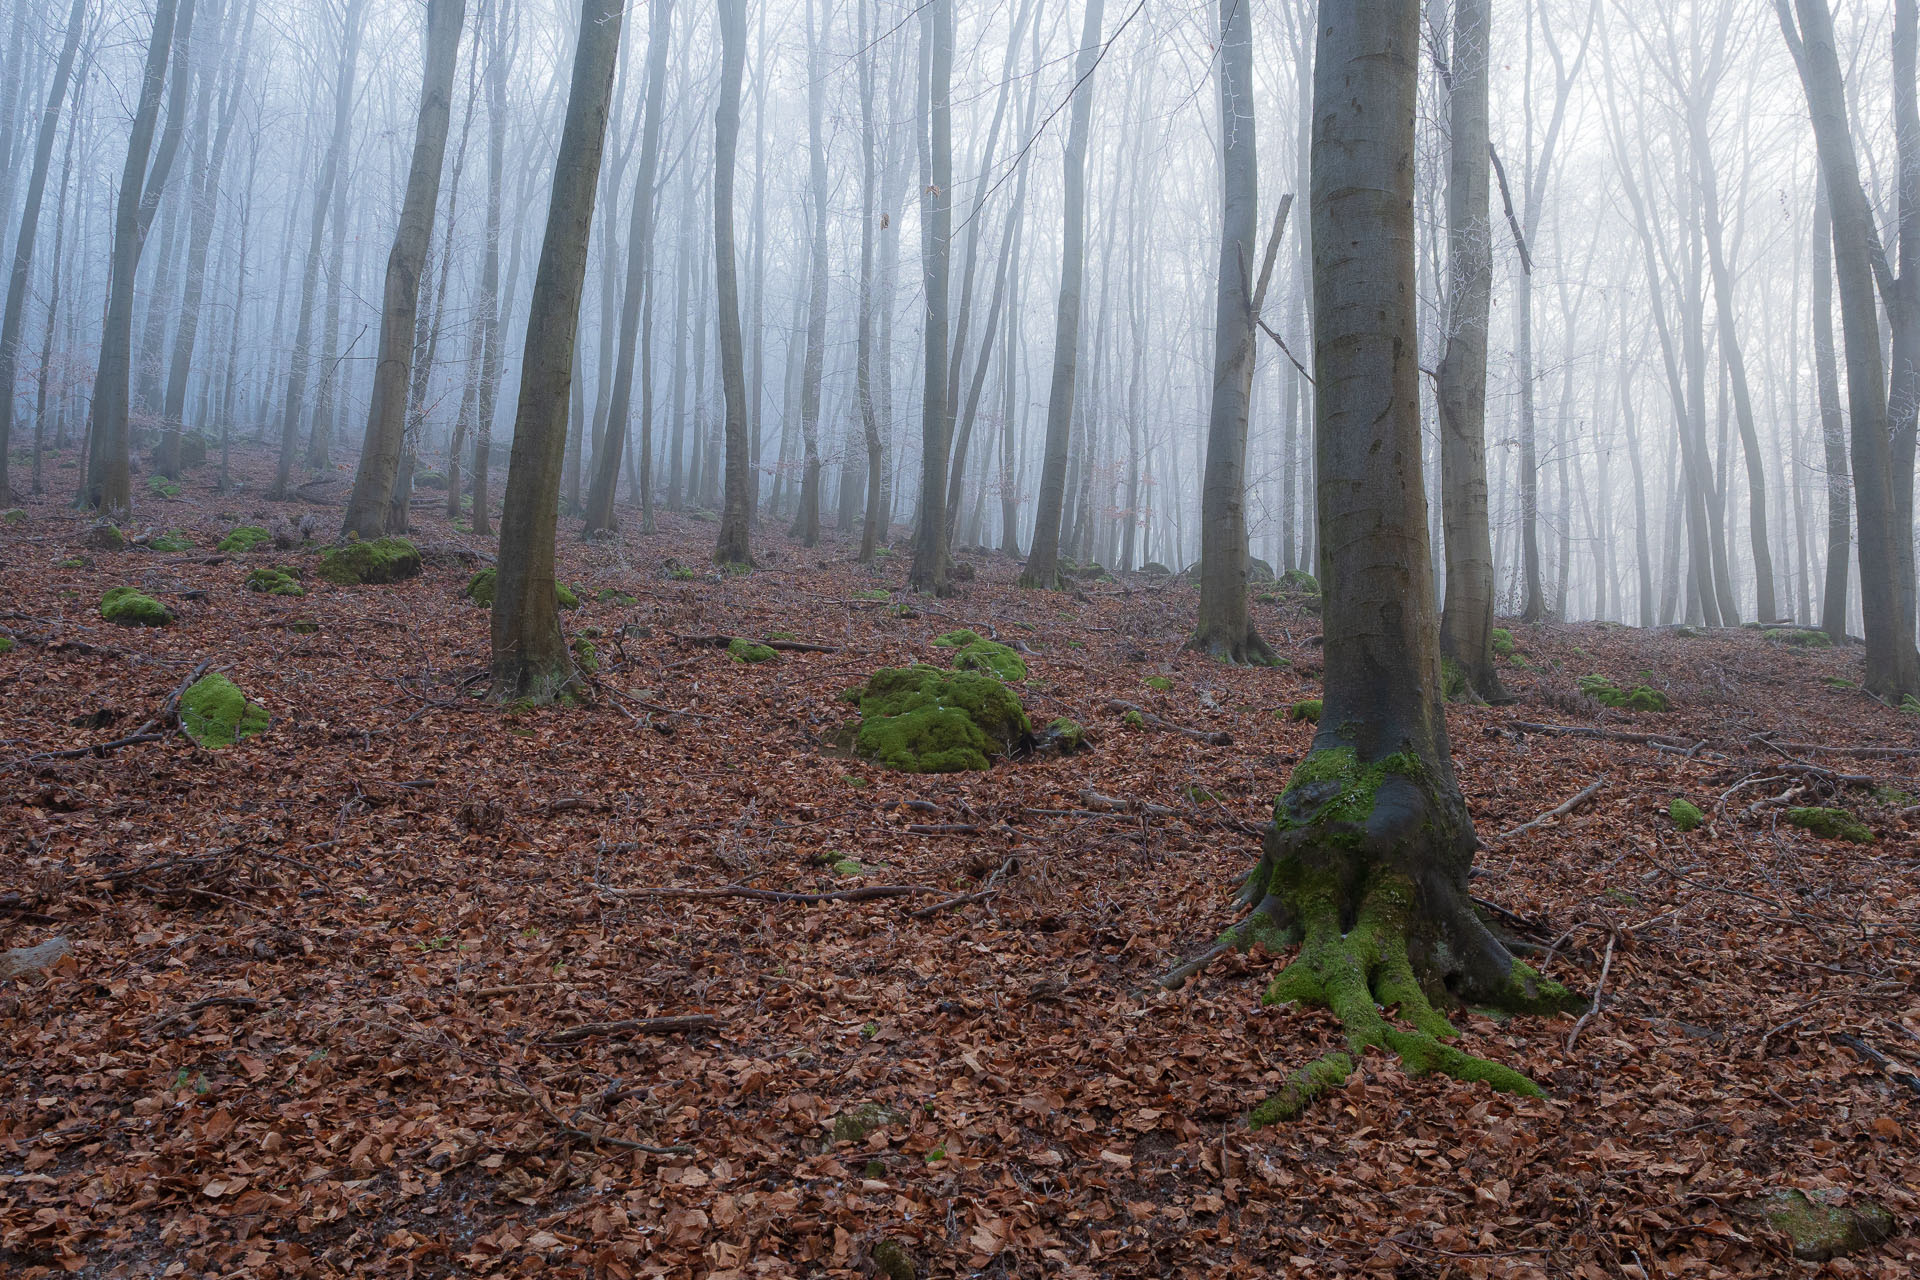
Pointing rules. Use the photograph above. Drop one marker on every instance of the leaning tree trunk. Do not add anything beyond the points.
(1224, 628)
(1366, 864)
(1043, 557)
(373, 481)
(929, 571)
(1893, 666)
(606, 464)
(737, 515)
(1833, 426)
(17, 283)
(530, 656)
(1466, 621)
(109, 484)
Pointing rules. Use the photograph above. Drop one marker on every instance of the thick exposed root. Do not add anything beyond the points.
(1357, 874)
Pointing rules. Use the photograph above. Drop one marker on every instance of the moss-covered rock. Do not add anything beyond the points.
(565, 596)
(105, 537)
(1154, 569)
(1638, 698)
(429, 480)
(275, 581)
(856, 1125)
(873, 593)
(1062, 735)
(921, 719)
(129, 608)
(74, 562)
(303, 626)
(973, 652)
(607, 595)
(1502, 642)
(891, 1259)
(1821, 1227)
(161, 487)
(1159, 684)
(6, 644)
(214, 713)
(747, 651)
(479, 588)
(14, 515)
(1831, 824)
(381, 560)
(1300, 582)
(170, 543)
(242, 539)
(1685, 814)
(1307, 709)
(1799, 638)
(585, 656)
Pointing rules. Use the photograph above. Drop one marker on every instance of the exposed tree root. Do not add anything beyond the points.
(1244, 650)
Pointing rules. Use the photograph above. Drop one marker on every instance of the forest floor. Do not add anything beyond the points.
(357, 996)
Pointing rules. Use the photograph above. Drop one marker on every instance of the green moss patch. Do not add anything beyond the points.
(129, 608)
(747, 651)
(1686, 815)
(1799, 638)
(607, 595)
(1160, 683)
(381, 560)
(1062, 735)
(243, 538)
(275, 581)
(161, 487)
(973, 652)
(585, 656)
(6, 644)
(921, 719)
(1821, 1228)
(1503, 642)
(105, 537)
(479, 588)
(566, 596)
(214, 713)
(1638, 698)
(1307, 709)
(170, 543)
(1831, 824)
(1299, 582)
(14, 515)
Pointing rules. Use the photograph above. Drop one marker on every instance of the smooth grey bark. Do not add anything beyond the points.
(301, 370)
(109, 476)
(929, 570)
(1833, 426)
(732, 546)
(806, 524)
(863, 351)
(1643, 559)
(1466, 621)
(1224, 627)
(498, 57)
(1893, 665)
(373, 482)
(1043, 558)
(1900, 294)
(53, 302)
(19, 281)
(530, 655)
(606, 464)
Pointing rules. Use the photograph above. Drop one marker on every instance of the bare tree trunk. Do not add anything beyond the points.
(929, 571)
(736, 518)
(806, 525)
(1368, 858)
(109, 482)
(1224, 629)
(53, 301)
(367, 508)
(1893, 666)
(870, 529)
(1833, 426)
(491, 320)
(1043, 559)
(19, 282)
(530, 656)
(323, 196)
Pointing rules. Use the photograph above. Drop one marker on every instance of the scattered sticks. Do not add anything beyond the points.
(1586, 793)
(1892, 1069)
(791, 646)
(869, 893)
(1599, 990)
(1212, 738)
(638, 1026)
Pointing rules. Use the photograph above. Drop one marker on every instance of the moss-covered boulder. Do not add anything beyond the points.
(129, 608)
(921, 719)
(161, 487)
(1154, 569)
(170, 543)
(242, 539)
(1502, 642)
(214, 713)
(585, 656)
(1638, 698)
(14, 515)
(479, 588)
(1300, 582)
(1799, 638)
(747, 651)
(1831, 824)
(1685, 814)
(1307, 709)
(381, 560)
(1822, 1228)
(105, 537)
(275, 581)
(1159, 684)
(973, 652)
(1062, 735)
(855, 1125)
(6, 644)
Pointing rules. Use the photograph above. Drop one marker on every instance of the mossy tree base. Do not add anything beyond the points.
(1365, 868)
(1238, 647)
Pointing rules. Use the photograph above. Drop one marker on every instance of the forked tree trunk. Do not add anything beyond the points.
(1366, 864)
(1224, 628)
(736, 516)
(530, 656)
(373, 481)
(1043, 558)
(1466, 622)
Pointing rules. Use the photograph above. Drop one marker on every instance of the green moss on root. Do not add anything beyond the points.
(214, 713)
(1685, 814)
(1302, 1089)
(1799, 638)
(126, 607)
(381, 560)
(1454, 686)
(1831, 824)
(921, 719)
(243, 538)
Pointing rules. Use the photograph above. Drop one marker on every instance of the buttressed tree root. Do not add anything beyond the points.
(1364, 868)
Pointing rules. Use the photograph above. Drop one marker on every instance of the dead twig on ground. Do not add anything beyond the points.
(636, 1026)
(1212, 738)
(1560, 810)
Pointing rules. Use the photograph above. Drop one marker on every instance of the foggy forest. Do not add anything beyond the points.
(918, 638)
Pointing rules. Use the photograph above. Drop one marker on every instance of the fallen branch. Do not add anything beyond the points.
(152, 731)
(791, 646)
(211, 1002)
(27, 959)
(1176, 977)
(641, 1026)
(988, 890)
(1211, 738)
(1586, 793)
(1893, 1069)
(1611, 735)
(1599, 990)
(868, 894)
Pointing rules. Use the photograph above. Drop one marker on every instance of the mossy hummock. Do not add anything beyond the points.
(749, 652)
(973, 652)
(381, 560)
(1638, 698)
(129, 608)
(214, 713)
(1685, 814)
(243, 538)
(1307, 709)
(1831, 824)
(275, 581)
(922, 719)
(1364, 867)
